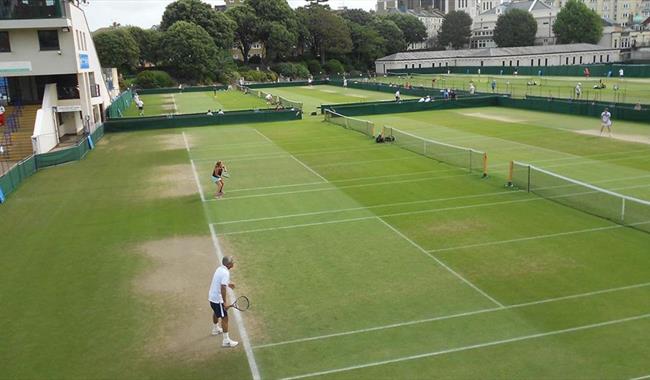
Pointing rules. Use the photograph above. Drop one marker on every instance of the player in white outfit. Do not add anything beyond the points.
(606, 122)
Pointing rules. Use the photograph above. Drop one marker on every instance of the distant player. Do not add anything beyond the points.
(310, 80)
(472, 88)
(606, 122)
(218, 297)
(620, 73)
(345, 82)
(2, 116)
(398, 96)
(578, 90)
(217, 178)
(269, 98)
(140, 104)
(494, 85)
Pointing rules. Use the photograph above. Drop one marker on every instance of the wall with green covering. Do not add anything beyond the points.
(197, 120)
(596, 70)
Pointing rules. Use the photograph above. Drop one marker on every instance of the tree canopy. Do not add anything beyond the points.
(516, 27)
(247, 28)
(413, 29)
(218, 25)
(576, 23)
(116, 47)
(392, 35)
(328, 32)
(190, 52)
(455, 30)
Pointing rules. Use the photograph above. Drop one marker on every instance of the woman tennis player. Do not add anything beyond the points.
(217, 177)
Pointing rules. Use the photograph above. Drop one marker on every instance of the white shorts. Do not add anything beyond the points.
(608, 125)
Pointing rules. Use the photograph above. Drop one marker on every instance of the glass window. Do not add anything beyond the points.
(5, 46)
(48, 39)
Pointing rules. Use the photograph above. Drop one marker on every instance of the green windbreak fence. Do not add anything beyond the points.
(596, 70)
(19, 172)
(378, 108)
(198, 120)
(176, 90)
(584, 108)
(120, 104)
(384, 87)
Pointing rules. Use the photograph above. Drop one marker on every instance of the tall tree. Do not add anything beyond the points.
(328, 32)
(367, 45)
(190, 51)
(516, 27)
(393, 37)
(358, 16)
(247, 30)
(413, 29)
(220, 27)
(455, 29)
(116, 47)
(272, 14)
(280, 42)
(148, 42)
(577, 23)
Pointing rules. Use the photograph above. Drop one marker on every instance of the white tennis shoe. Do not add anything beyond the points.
(216, 330)
(229, 343)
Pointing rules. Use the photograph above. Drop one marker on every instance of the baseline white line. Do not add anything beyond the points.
(252, 363)
(196, 175)
(369, 207)
(641, 378)
(296, 226)
(453, 316)
(263, 135)
(245, 189)
(416, 245)
(473, 347)
(174, 101)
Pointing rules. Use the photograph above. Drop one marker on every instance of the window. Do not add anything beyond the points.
(481, 63)
(420, 66)
(433, 64)
(601, 58)
(539, 61)
(581, 60)
(532, 62)
(607, 57)
(567, 61)
(412, 65)
(48, 39)
(517, 63)
(406, 66)
(503, 63)
(594, 59)
(574, 60)
(5, 46)
(510, 63)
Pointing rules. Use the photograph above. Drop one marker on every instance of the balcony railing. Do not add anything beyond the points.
(31, 9)
(94, 91)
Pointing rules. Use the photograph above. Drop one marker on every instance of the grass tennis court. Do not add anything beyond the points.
(630, 90)
(361, 260)
(195, 102)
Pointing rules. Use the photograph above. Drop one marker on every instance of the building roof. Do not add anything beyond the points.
(493, 52)
(526, 5)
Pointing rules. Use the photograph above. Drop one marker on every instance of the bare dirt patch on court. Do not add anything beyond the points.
(486, 116)
(170, 141)
(456, 226)
(617, 136)
(171, 181)
(177, 283)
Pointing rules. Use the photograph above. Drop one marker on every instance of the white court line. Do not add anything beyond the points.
(463, 279)
(252, 363)
(174, 101)
(369, 207)
(454, 316)
(263, 135)
(196, 176)
(296, 226)
(297, 160)
(473, 347)
(641, 378)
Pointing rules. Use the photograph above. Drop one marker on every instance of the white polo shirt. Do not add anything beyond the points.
(221, 277)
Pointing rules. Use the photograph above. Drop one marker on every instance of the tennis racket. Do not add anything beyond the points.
(225, 174)
(241, 303)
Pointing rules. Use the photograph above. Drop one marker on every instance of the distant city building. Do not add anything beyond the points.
(532, 56)
(485, 22)
(619, 11)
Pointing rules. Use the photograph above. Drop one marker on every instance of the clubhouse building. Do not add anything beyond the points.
(531, 56)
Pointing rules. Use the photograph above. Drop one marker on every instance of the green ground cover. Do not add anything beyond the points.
(630, 90)
(362, 260)
(195, 102)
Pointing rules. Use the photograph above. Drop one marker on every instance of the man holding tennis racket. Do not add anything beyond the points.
(218, 297)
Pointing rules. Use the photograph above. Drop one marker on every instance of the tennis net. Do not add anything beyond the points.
(468, 158)
(278, 100)
(619, 208)
(363, 126)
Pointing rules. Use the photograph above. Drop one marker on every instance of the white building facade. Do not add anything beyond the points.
(531, 56)
(48, 62)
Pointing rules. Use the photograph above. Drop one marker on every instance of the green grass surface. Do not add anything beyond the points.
(195, 102)
(362, 260)
(631, 90)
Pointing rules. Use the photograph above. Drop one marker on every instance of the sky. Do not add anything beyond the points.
(146, 13)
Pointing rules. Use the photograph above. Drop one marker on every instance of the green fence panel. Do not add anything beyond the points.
(384, 87)
(176, 90)
(595, 70)
(10, 181)
(120, 104)
(375, 108)
(197, 120)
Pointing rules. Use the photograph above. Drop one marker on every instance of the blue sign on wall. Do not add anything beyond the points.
(84, 62)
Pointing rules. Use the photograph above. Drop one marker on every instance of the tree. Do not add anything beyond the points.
(328, 33)
(516, 27)
(576, 23)
(391, 34)
(455, 29)
(117, 48)
(358, 16)
(246, 31)
(190, 51)
(272, 14)
(280, 41)
(367, 45)
(220, 27)
(413, 29)
(148, 41)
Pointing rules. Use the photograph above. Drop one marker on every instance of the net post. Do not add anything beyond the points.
(470, 160)
(485, 165)
(528, 182)
(511, 168)
(623, 211)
